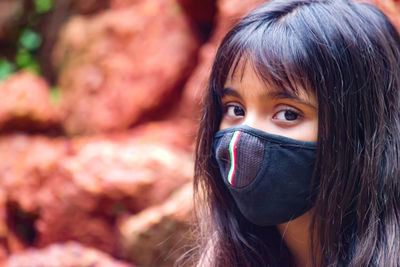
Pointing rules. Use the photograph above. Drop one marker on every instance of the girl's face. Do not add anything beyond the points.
(247, 100)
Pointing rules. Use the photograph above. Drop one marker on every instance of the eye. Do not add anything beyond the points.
(234, 111)
(287, 115)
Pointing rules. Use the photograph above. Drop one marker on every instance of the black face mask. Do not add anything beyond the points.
(269, 176)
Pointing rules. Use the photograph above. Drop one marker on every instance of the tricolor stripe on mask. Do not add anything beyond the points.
(232, 152)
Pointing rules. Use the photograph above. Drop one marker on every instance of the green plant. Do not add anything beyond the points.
(55, 96)
(6, 68)
(28, 42)
(43, 6)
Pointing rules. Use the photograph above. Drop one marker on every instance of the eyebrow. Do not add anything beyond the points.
(230, 92)
(271, 94)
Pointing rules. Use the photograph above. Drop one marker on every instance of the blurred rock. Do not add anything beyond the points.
(109, 179)
(63, 255)
(202, 14)
(3, 226)
(76, 189)
(89, 6)
(3, 255)
(10, 12)
(123, 3)
(176, 133)
(124, 65)
(159, 235)
(26, 164)
(121, 165)
(50, 25)
(25, 104)
(14, 243)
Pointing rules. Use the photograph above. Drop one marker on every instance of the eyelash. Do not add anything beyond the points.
(226, 108)
(297, 113)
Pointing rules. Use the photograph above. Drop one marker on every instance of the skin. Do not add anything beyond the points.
(247, 100)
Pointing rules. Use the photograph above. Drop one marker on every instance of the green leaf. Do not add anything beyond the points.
(23, 58)
(33, 66)
(55, 95)
(27, 61)
(6, 69)
(30, 40)
(43, 6)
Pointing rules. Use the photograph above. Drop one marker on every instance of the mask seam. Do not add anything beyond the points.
(271, 139)
(257, 179)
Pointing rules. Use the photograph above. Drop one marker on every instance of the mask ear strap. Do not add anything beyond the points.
(232, 153)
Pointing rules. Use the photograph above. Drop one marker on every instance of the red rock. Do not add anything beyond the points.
(176, 133)
(159, 235)
(145, 171)
(64, 255)
(109, 179)
(76, 189)
(89, 6)
(26, 164)
(123, 3)
(24, 161)
(3, 255)
(3, 227)
(10, 11)
(119, 67)
(25, 104)
(15, 243)
(201, 13)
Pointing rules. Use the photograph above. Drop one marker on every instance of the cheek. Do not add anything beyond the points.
(222, 125)
(307, 131)
(312, 134)
(225, 123)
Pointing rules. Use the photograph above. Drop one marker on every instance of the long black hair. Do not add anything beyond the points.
(348, 55)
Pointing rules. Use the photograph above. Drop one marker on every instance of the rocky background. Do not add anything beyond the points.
(100, 101)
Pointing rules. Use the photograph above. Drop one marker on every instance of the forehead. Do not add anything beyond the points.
(245, 80)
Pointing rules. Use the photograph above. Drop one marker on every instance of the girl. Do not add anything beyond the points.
(297, 159)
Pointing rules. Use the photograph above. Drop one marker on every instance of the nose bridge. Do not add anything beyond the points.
(257, 120)
(251, 119)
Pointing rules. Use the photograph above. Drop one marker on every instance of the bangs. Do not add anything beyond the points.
(275, 52)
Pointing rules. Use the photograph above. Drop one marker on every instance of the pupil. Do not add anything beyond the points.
(290, 115)
(238, 111)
